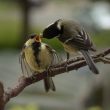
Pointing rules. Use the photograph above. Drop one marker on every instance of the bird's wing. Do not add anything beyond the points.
(26, 70)
(81, 40)
(54, 54)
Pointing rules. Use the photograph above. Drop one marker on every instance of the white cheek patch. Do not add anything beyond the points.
(43, 46)
(29, 42)
(59, 25)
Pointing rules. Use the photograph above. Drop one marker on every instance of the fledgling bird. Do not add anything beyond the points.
(37, 57)
(73, 37)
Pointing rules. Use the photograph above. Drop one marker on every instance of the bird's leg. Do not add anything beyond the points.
(66, 65)
(48, 70)
(68, 56)
(34, 76)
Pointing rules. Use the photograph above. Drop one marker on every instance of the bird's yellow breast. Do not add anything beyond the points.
(69, 48)
(44, 58)
(30, 59)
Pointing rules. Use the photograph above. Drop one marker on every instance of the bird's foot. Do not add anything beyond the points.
(66, 66)
(34, 76)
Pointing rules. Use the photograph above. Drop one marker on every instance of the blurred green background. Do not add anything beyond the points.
(11, 23)
(80, 90)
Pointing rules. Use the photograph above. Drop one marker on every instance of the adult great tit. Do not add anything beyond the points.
(73, 37)
(37, 57)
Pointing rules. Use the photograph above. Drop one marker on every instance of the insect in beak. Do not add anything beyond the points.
(38, 38)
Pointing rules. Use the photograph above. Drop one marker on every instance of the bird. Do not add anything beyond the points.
(74, 39)
(37, 57)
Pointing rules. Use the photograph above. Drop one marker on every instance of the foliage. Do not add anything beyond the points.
(102, 39)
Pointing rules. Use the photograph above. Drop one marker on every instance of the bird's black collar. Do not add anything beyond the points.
(36, 47)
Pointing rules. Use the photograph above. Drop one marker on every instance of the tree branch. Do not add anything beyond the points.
(1, 96)
(73, 64)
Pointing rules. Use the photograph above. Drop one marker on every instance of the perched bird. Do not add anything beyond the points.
(73, 37)
(37, 57)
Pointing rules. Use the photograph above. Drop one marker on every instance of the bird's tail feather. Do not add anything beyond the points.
(49, 84)
(89, 61)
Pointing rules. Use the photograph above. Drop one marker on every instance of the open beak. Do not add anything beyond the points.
(38, 38)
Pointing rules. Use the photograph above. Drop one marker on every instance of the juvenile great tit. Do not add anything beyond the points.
(37, 57)
(73, 37)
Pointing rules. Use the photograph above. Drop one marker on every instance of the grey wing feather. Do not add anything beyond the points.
(26, 70)
(81, 40)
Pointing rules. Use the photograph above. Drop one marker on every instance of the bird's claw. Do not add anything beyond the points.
(66, 66)
(49, 71)
(33, 77)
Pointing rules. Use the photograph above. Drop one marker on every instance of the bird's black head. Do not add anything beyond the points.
(31, 36)
(53, 30)
(34, 40)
